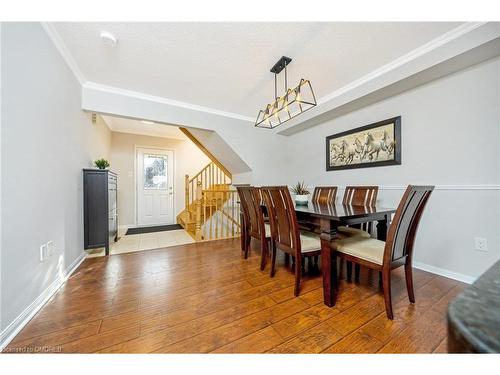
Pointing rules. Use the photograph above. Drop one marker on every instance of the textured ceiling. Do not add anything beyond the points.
(225, 66)
(124, 125)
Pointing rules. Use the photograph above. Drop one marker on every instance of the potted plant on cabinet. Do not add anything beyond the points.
(101, 163)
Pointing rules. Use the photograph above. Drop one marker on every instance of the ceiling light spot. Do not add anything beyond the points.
(108, 38)
(147, 122)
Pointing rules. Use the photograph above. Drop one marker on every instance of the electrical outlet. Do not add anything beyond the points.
(50, 248)
(43, 252)
(480, 244)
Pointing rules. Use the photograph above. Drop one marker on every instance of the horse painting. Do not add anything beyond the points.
(372, 145)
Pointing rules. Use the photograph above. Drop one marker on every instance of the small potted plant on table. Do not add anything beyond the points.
(301, 192)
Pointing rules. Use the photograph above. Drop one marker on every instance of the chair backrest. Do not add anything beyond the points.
(324, 194)
(360, 195)
(252, 212)
(282, 218)
(401, 235)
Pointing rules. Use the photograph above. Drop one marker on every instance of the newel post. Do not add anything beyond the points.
(199, 196)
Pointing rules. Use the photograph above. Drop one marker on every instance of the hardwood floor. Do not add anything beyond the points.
(205, 297)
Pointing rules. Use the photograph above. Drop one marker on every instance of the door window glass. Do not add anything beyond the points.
(155, 171)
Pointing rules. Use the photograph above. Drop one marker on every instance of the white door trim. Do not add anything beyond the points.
(136, 193)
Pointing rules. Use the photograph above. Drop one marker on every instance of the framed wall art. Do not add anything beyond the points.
(373, 145)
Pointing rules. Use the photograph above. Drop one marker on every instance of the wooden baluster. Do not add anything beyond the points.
(186, 191)
(216, 221)
(199, 194)
(192, 192)
(211, 175)
(211, 216)
(224, 227)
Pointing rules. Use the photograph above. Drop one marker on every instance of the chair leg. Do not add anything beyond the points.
(341, 268)
(247, 245)
(386, 282)
(409, 282)
(349, 270)
(310, 266)
(264, 254)
(273, 259)
(335, 272)
(298, 273)
(287, 259)
(357, 268)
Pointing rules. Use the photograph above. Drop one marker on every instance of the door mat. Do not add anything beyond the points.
(157, 228)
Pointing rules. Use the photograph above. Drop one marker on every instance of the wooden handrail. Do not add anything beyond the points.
(195, 140)
(200, 172)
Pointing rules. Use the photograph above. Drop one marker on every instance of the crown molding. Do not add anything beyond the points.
(68, 57)
(473, 37)
(163, 100)
(400, 61)
(63, 50)
(351, 91)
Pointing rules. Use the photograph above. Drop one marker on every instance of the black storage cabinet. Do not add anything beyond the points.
(99, 208)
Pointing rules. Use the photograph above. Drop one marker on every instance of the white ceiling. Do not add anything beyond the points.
(225, 66)
(125, 125)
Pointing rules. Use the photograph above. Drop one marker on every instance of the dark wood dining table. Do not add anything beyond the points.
(328, 217)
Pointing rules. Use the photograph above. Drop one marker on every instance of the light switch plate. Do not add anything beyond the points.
(43, 252)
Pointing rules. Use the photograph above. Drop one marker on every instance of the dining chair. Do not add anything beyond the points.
(359, 196)
(324, 195)
(253, 217)
(396, 251)
(285, 232)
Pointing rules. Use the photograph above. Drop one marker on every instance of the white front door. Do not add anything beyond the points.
(155, 187)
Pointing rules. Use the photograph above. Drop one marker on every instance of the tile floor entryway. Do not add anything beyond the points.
(145, 241)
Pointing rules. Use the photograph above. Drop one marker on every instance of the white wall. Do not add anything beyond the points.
(450, 138)
(46, 141)
(188, 160)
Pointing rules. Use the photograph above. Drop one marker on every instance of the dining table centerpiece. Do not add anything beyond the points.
(301, 193)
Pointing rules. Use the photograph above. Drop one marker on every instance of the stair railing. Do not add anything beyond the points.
(220, 212)
(211, 177)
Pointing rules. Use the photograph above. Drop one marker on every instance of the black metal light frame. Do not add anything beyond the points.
(278, 112)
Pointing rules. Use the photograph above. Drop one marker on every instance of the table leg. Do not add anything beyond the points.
(328, 263)
(382, 225)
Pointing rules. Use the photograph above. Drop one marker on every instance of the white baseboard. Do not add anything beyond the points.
(18, 324)
(444, 272)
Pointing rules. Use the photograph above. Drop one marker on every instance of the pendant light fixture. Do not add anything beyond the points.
(294, 101)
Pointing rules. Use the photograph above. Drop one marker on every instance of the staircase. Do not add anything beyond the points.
(211, 206)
